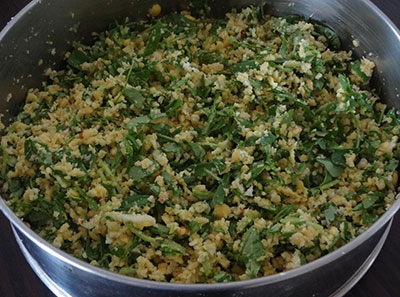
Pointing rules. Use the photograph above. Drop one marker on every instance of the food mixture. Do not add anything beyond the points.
(197, 150)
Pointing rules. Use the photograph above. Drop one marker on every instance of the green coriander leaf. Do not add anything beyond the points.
(202, 194)
(77, 58)
(198, 151)
(350, 195)
(244, 66)
(207, 57)
(118, 251)
(155, 189)
(167, 178)
(345, 83)
(134, 97)
(136, 199)
(319, 84)
(173, 107)
(283, 94)
(393, 164)
(169, 247)
(135, 122)
(137, 173)
(37, 152)
(223, 277)
(38, 217)
(140, 234)
(356, 67)
(92, 203)
(392, 113)
(331, 36)
(159, 229)
(154, 39)
(294, 18)
(242, 224)
(370, 200)
(367, 218)
(219, 196)
(256, 170)
(251, 249)
(173, 148)
(194, 227)
(330, 213)
(178, 23)
(283, 49)
(267, 139)
(283, 212)
(334, 170)
(207, 267)
(338, 158)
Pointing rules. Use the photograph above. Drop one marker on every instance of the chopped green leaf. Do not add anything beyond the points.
(333, 39)
(198, 151)
(138, 121)
(202, 194)
(173, 148)
(154, 39)
(77, 58)
(330, 213)
(169, 247)
(338, 157)
(356, 67)
(370, 201)
(283, 212)
(219, 196)
(136, 199)
(159, 229)
(137, 173)
(140, 234)
(223, 277)
(392, 165)
(334, 170)
(194, 227)
(134, 97)
(207, 267)
(244, 66)
(251, 250)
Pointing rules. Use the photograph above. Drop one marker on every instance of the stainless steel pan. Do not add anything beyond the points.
(41, 31)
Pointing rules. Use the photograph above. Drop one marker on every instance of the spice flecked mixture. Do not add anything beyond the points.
(203, 150)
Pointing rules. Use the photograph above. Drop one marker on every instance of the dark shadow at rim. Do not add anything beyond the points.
(112, 276)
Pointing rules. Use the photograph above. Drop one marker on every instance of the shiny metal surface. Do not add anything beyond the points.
(42, 28)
